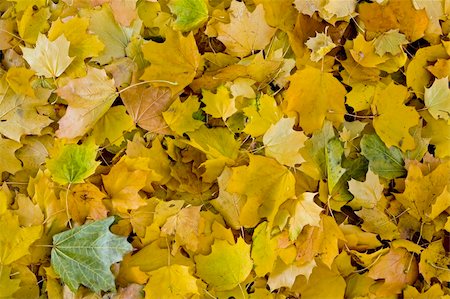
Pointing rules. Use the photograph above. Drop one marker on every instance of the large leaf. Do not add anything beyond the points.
(83, 255)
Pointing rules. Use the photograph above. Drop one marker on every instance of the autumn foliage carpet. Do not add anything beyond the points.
(224, 149)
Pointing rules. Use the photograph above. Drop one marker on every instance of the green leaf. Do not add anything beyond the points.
(191, 14)
(72, 163)
(83, 255)
(227, 265)
(386, 162)
(333, 155)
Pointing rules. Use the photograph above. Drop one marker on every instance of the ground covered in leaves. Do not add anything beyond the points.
(224, 149)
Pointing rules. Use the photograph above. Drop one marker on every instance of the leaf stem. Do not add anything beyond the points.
(145, 82)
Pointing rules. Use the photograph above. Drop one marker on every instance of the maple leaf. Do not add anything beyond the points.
(437, 99)
(266, 183)
(306, 212)
(247, 31)
(111, 34)
(219, 105)
(9, 161)
(398, 268)
(386, 162)
(16, 243)
(283, 143)
(368, 193)
(190, 14)
(49, 58)
(85, 201)
(123, 183)
(179, 116)
(261, 115)
(314, 96)
(263, 258)
(173, 63)
(227, 266)
(33, 23)
(82, 44)
(20, 114)
(84, 254)
(434, 262)
(72, 163)
(421, 191)
(19, 80)
(111, 127)
(393, 119)
(146, 105)
(89, 98)
(171, 282)
(319, 45)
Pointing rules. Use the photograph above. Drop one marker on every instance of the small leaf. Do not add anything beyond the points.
(190, 14)
(72, 163)
(83, 255)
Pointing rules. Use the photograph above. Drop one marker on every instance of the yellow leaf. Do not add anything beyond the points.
(112, 35)
(305, 212)
(8, 285)
(88, 98)
(220, 104)
(438, 132)
(85, 201)
(376, 221)
(320, 45)
(390, 42)
(314, 96)
(110, 129)
(18, 79)
(171, 282)
(284, 275)
(33, 23)
(263, 250)
(179, 116)
(283, 143)
(247, 31)
(323, 283)
(227, 266)
(393, 119)
(422, 191)
(266, 183)
(185, 226)
(364, 52)
(82, 44)
(417, 76)
(366, 194)
(16, 242)
(357, 239)
(123, 184)
(173, 63)
(261, 115)
(49, 58)
(434, 262)
(228, 204)
(434, 291)
(9, 161)
(441, 204)
(437, 99)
